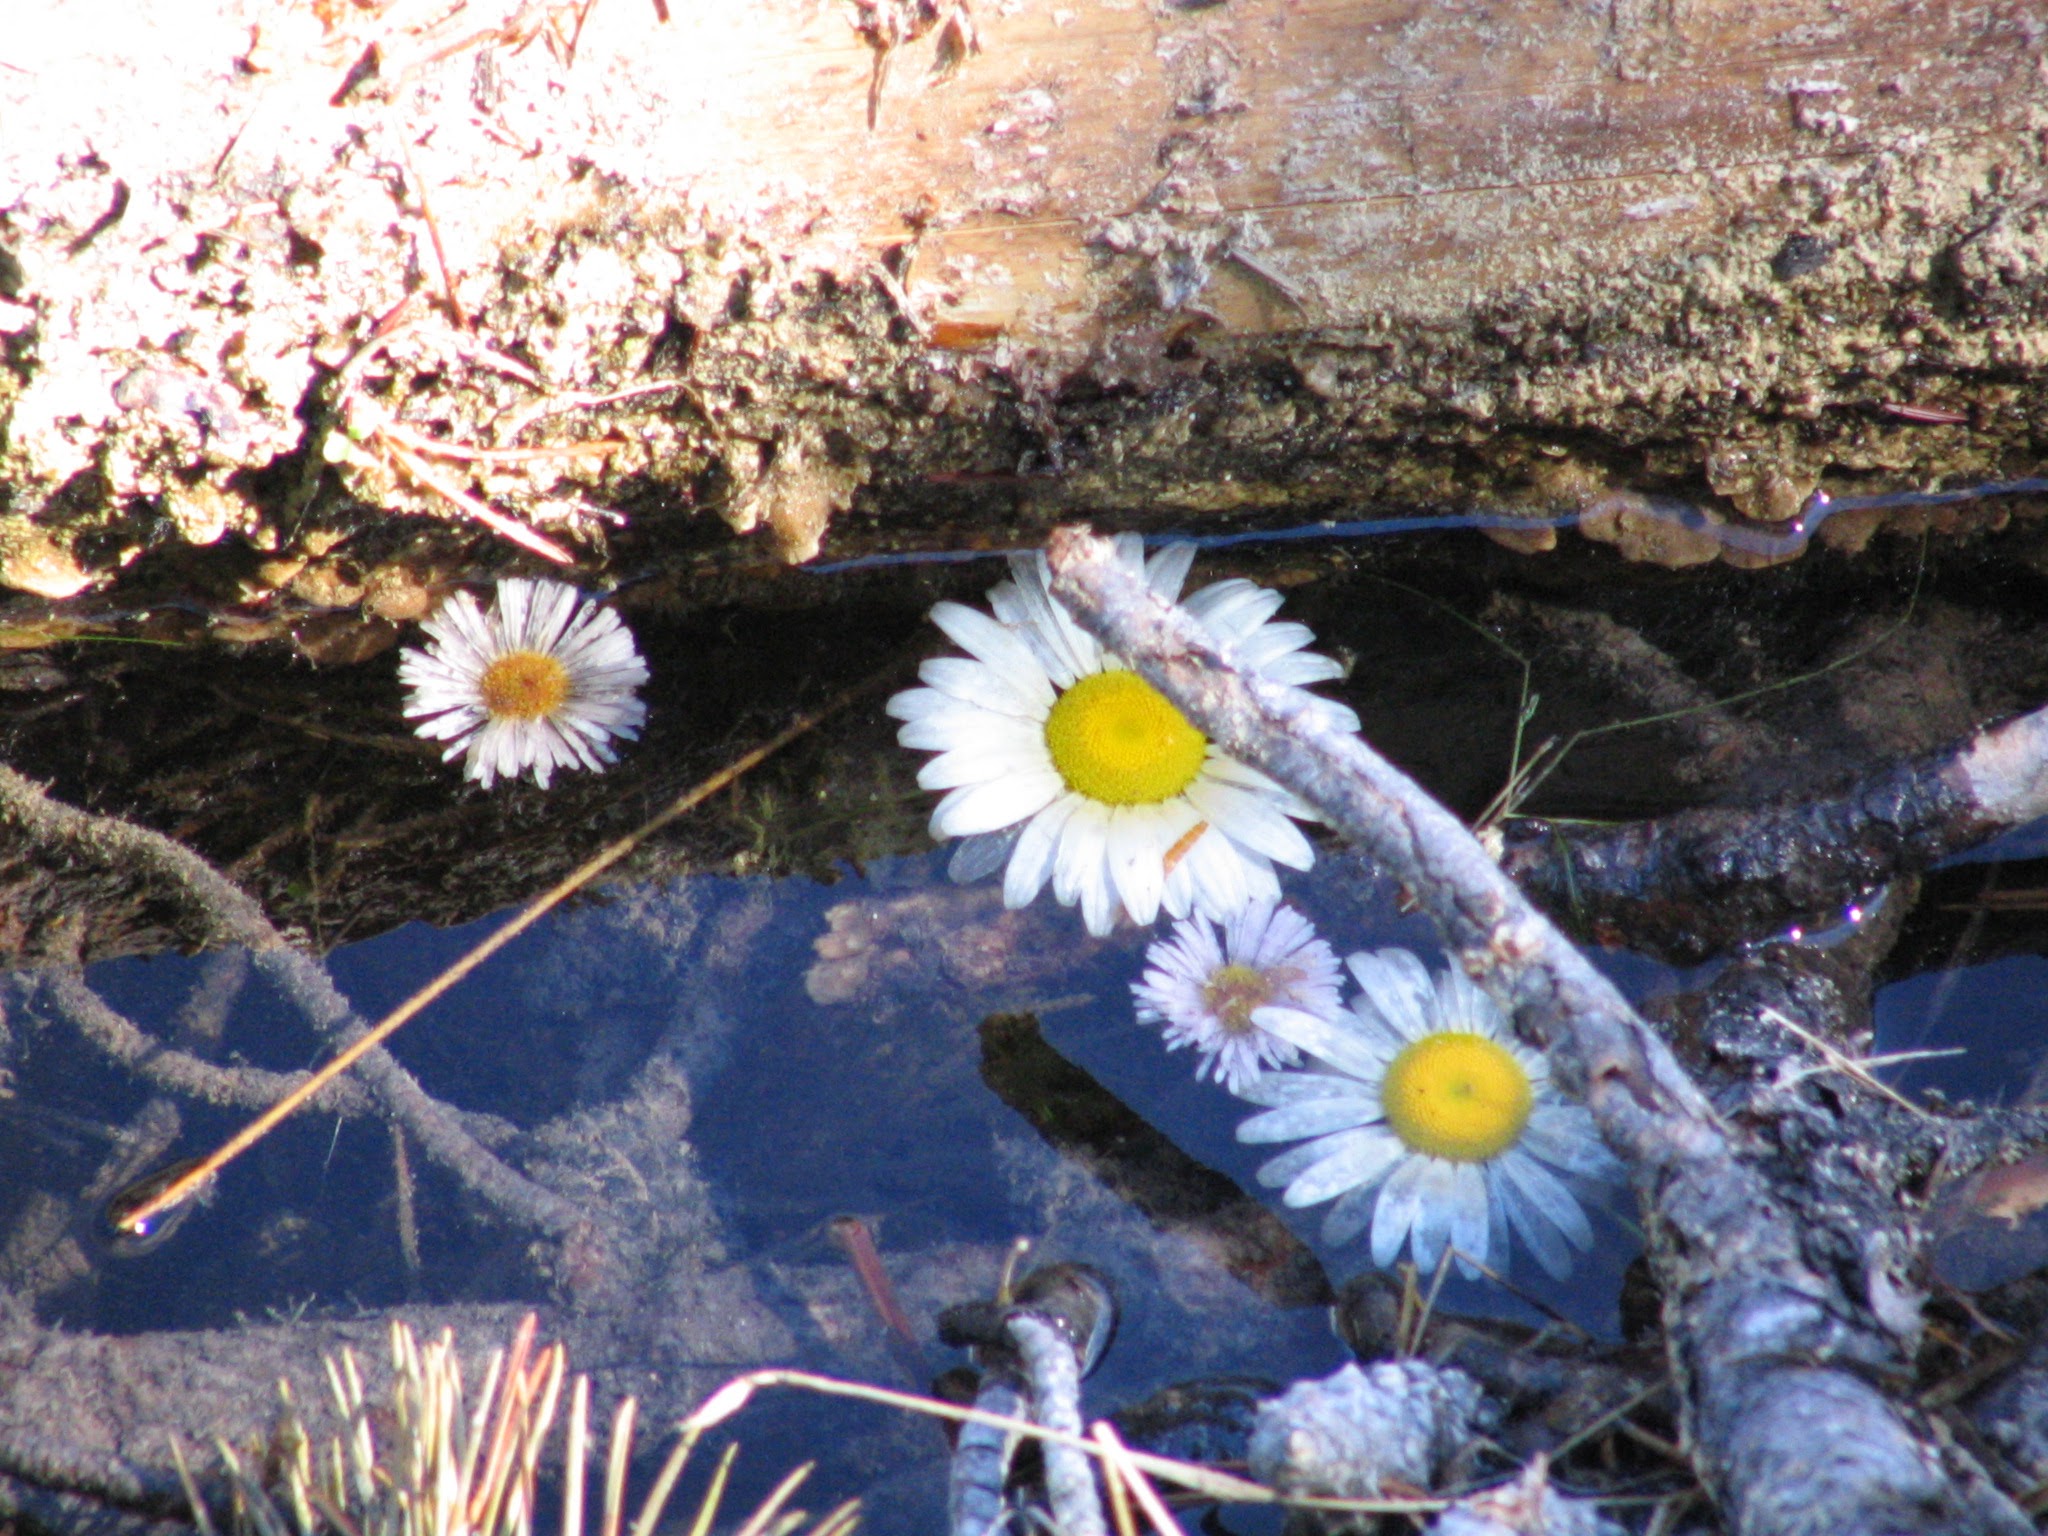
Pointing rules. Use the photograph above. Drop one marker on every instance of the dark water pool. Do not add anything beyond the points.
(817, 1085)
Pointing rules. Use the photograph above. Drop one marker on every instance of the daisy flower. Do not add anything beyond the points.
(543, 681)
(1429, 1122)
(1204, 992)
(1055, 756)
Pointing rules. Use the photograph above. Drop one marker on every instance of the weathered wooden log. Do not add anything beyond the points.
(268, 278)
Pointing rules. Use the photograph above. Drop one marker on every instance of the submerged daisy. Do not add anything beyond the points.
(543, 681)
(1429, 1122)
(1204, 992)
(1056, 756)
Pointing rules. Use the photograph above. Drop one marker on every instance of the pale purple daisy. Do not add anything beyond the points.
(544, 680)
(1203, 991)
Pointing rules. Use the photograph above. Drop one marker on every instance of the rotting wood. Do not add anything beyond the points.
(1267, 256)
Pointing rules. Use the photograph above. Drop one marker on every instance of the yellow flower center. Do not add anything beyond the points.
(1456, 1096)
(1232, 992)
(523, 685)
(1114, 738)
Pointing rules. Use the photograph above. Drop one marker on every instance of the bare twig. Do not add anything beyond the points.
(1054, 1370)
(1767, 1349)
(315, 994)
(475, 506)
(236, 918)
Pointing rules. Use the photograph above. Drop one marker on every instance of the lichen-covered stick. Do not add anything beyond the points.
(1776, 1359)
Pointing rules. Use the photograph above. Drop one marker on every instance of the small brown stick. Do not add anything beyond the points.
(858, 1243)
(482, 511)
(531, 913)
(455, 309)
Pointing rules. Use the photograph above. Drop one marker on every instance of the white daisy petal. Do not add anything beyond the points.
(1253, 823)
(1289, 1166)
(1335, 1039)
(978, 683)
(1351, 1214)
(544, 680)
(999, 649)
(994, 804)
(1358, 1159)
(1563, 1136)
(1394, 988)
(1426, 1122)
(1400, 1205)
(980, 854)
(1275, 641)
(1540, 1236)
(1031, 862)
(1167, 571)
(1312, 1117)
(980, 763)
(1544, 1195)
(1233, 609)
(1276, 1089)
(1471, 1215)
(1025, 603)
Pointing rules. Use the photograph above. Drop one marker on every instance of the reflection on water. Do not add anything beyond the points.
(792, 1112)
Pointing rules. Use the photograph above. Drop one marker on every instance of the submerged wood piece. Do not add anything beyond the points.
(1174, 260)
(1173, 1191)
(1777, 1363)
(1698, 882)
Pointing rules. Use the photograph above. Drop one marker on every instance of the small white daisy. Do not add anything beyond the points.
(1055, 755)
(1430, 1122)
(543, 681)
(1204, 992)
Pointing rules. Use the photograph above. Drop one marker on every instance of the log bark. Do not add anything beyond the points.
(257, 268)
